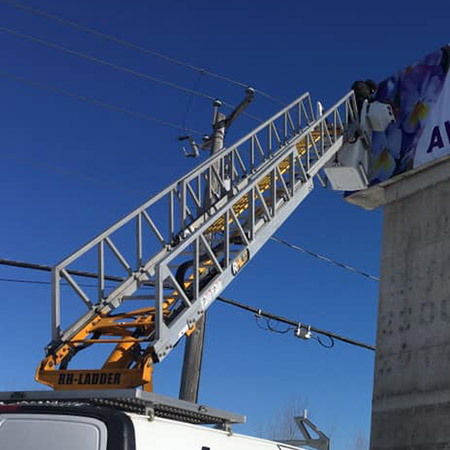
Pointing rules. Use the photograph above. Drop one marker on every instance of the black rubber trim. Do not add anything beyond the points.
(119, 425)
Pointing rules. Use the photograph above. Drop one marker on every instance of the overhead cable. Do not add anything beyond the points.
(293, 325)
(275, 239)
(139, 48)
(325, 258)
(93, 101)
(189, 103)
(118, 67)
(46, 268)
(22, 281)
(41, 282)
(104, 62)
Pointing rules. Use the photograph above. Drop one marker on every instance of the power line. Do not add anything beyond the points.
(46, 268)
(93, 101)
(293, 325)
(296, 325)
(190, 101)
(40, 282)
(116, 108)
(325, 258)
(118, 67)
(104, 62)
(139, 48)
(196, 132)
(20, 281)
(274, 238)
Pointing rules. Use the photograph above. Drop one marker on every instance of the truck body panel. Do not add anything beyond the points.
(40, 427)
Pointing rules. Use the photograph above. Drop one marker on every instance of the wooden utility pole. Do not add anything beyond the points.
(193, 353)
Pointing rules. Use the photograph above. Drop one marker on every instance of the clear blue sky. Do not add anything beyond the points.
(69, 170)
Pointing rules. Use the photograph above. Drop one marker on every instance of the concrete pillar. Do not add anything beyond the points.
(411, 397)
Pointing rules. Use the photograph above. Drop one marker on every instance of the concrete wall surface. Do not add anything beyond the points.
(411, 399)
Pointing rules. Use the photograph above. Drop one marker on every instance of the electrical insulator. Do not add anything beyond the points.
(303, 332)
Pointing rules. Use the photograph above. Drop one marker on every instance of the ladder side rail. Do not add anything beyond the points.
(171, 333)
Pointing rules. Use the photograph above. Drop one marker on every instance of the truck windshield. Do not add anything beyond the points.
(51, 432)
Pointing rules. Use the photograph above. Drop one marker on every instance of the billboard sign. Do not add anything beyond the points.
(420, 97)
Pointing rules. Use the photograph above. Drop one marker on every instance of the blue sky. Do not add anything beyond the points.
(69, 170)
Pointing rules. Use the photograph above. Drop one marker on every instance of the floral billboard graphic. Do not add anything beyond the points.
(420, 97)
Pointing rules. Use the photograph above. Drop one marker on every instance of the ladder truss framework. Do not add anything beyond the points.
(185, 245)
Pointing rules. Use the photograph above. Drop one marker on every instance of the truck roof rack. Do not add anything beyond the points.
(129, 400)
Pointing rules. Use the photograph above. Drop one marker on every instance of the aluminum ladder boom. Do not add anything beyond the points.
(182, 248)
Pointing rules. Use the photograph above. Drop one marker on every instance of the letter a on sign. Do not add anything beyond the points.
(436, 139)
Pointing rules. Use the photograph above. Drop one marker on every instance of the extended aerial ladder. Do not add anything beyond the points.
(183, 247)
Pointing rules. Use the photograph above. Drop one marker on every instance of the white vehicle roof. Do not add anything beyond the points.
(84, 429)
(174, 435)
